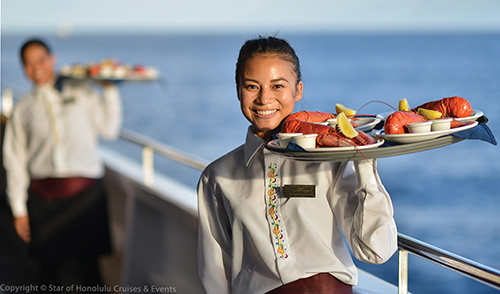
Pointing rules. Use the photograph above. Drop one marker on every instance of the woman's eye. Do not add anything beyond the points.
(278, 86)
(250, 87)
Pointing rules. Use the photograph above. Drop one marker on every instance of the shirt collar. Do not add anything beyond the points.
(253, 144)
(44, 87)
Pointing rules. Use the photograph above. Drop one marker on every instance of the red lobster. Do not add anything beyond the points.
(311, 116)
(316, 116)
(397, 122)
(449, 106)
(327, 136)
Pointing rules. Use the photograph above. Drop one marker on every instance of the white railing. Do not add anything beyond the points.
(464, 266)
(150, 147)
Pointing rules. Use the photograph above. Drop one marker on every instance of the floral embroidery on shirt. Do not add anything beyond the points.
(273, 210)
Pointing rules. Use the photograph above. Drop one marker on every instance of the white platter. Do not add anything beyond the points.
(419, 137)
(475, 115)
(380, 152)
(129, 78)
(367, 123)
(274, 144)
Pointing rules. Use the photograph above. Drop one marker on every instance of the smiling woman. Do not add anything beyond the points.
(263, 219)
(268, 83)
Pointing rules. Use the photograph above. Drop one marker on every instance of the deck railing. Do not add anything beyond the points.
(151, 146)
(464, 266)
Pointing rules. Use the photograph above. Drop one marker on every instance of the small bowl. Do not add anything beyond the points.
(285, 138)
(441, 124)
(420, 127)
(332, 122)
(306, 141)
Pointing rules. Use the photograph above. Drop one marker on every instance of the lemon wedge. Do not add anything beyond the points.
(403, 105)
(342, 109)
(345, 126)
(429, 114)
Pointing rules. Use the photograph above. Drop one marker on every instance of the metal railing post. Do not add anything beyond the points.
(403, 272)
(464, 266)
(148, 172)
(7, 102)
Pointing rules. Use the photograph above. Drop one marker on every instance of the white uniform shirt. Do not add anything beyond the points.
(54, 134)
(252, 239)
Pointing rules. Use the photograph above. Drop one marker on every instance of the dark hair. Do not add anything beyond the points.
(266, 45)
(31, 42)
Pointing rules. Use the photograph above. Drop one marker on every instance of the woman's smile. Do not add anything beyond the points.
(266, 112)
(268, 91)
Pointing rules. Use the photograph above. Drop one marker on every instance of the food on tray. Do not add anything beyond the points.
(403, 105)
(339, 108)
(448, 107)
(312, 116)
(397, 122)
(345, 126)
(319, 117)
(429, 114)
(327, 136)
(109, 69)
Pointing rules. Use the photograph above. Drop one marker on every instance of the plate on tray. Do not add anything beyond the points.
(130, 78)
(366, 123)
(109, 70)
(475, 115)
(419, 137)
(380, 152)
(274, 144)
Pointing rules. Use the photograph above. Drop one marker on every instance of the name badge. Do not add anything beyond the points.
(293, 191)
(67, 101)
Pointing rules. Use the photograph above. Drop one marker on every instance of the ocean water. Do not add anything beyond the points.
(448, 197)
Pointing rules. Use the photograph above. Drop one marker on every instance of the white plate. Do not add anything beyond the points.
(475, 115)
(418, 137)
(128, 78)
(274, 144)
(366, 124)
(380, 152)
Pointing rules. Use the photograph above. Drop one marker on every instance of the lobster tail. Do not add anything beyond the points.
(311, 116)
(449, 106)
(397, 122)
(327, 136)
(304, 127)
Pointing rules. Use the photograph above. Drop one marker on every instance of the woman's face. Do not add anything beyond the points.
(268, 91)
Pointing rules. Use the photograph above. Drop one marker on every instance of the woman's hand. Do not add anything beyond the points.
(22, 226)
(107, 83)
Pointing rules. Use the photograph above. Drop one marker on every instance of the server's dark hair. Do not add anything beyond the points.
(31, 42)
(266, 45)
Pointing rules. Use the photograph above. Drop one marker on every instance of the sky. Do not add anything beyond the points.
(65, 17)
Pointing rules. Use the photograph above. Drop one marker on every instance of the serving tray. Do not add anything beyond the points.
(380, 152)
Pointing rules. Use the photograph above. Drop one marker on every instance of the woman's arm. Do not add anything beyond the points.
(214, 240)
(367, 217)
